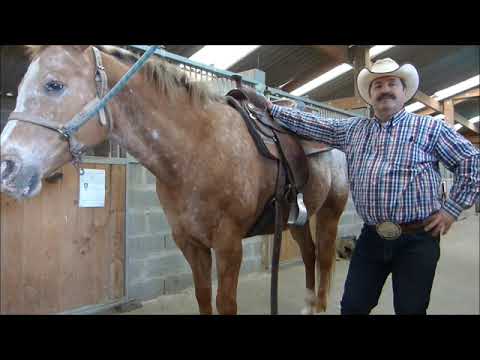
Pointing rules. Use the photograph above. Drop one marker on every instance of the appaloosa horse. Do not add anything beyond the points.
(211, 180)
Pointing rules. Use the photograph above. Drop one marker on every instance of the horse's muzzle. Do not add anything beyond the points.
(19, 181)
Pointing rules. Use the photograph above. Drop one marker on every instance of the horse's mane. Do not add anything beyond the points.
(165, 77)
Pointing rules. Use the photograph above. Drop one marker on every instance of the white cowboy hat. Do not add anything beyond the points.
(388, 67)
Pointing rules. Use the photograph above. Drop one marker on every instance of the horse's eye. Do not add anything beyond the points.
(54, 86)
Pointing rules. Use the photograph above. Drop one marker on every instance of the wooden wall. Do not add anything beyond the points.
(56, 256)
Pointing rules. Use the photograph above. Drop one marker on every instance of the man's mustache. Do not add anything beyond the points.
(386, 96)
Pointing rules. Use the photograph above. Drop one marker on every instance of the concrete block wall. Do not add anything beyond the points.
(155, 265)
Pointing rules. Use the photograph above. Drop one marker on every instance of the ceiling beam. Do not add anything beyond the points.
(308, 75)
(428, 101)
(467, 95)
(461, 120)
(336, 52)
(457, 99)
(334, 55)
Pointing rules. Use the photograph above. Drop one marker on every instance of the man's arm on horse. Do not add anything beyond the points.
(333, 132)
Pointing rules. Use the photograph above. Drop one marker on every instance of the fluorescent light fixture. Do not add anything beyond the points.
(335, 72)
(457, 126)
(378, 49)
(457, 88)
(322, 79)
(414, 107)
(222, 56)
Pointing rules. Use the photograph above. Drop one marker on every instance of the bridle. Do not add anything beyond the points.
(67, 131)
(97, 105)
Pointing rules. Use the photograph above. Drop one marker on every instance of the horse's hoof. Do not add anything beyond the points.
(320, 308)
(307, 310)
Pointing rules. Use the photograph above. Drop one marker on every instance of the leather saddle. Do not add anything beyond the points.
(288, 152)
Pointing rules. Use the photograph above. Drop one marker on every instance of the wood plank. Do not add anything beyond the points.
(11, 257)
(69, 268)
(79, 285)
(467, 95)
(117, 231)
(462, 120)
(361, 60)
(34, 277)
(449, 111)
(428, 101)
(290, 250)
(85, 250)
(101, 248)
(52, 228)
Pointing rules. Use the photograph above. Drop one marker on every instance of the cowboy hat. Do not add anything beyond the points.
(387, 67)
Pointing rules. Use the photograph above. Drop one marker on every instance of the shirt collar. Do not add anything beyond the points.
(394, 120)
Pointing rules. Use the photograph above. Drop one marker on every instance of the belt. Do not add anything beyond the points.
(391, 231)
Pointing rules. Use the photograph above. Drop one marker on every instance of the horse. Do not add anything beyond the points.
(210, 179)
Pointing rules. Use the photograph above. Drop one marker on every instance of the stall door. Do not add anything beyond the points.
(56, 256)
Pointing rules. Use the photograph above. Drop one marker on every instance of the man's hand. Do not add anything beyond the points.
(269, 105)
(439, 223)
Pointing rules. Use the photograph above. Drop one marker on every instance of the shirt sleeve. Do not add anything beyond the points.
(333, 132)
(463, 159)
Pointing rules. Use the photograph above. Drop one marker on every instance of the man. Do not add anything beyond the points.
(396, 186)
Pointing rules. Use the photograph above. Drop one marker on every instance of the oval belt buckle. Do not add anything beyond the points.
(389, 230)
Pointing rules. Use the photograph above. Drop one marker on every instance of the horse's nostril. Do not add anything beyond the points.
(6, 168)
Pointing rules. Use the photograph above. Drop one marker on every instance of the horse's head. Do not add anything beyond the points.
(58, 84)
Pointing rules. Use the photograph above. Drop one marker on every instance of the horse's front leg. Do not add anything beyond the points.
(228, 263)
(199, 258)
(228, 256)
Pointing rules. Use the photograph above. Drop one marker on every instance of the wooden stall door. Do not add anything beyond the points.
(56, 256)
(290, 251)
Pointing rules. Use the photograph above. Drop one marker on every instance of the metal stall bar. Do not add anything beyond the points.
(183, 60)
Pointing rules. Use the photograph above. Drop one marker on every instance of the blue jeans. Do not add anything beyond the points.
(412, 261)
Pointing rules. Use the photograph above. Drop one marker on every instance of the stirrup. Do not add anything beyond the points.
(298, 215)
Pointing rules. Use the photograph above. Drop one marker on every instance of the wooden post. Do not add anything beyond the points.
(361, 59)
(449, 111)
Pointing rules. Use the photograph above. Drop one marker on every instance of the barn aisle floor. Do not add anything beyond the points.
(455, 290)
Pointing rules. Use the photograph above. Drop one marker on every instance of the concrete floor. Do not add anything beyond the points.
(455, 290)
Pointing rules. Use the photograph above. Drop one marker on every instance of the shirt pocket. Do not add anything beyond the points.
(408, 154)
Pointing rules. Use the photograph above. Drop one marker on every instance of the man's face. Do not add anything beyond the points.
(387, 94)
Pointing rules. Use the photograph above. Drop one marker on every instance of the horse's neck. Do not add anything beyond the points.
(150, 127)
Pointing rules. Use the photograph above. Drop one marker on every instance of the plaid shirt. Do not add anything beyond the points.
(393, 168)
